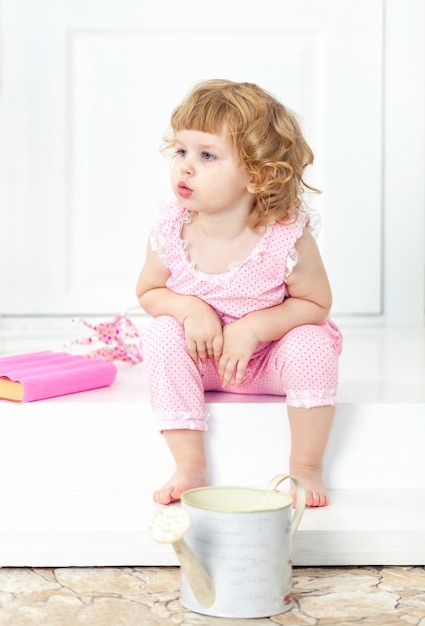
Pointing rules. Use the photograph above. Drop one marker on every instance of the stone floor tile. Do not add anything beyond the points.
(47, 573)
(403, 578)
(346, 605)
(55, 610)
(293, 618)
(148, 596)
(70, 611)
(414, 606)
(158, 579)
(175, 607)
(102, 580)
(376, 620)
(119, 612)
(342, 582)
(23, 580)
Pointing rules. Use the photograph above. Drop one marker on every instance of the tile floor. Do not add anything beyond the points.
(149, 596)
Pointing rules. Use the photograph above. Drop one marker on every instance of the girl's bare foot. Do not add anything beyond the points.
(315, 492)
(187, 448)
(180, 481)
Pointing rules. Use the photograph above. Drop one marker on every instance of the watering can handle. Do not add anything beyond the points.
(300, 506)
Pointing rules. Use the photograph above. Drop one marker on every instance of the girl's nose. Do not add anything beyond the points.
(187, 165)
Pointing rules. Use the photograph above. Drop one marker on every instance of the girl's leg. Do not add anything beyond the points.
(304, 366)
(177, 398)
(309, 359)
(174, 380)
(310, 429)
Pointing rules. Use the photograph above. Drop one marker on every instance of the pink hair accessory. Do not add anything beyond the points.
(121, 339)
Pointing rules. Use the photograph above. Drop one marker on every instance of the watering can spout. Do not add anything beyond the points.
(169, 526)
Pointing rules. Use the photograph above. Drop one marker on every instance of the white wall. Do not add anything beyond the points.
(404, 163)
(87, 88)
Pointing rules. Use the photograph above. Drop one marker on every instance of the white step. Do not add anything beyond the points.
(77, 473)
(108, 528)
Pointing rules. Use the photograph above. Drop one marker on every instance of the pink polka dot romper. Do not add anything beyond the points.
(303, 365)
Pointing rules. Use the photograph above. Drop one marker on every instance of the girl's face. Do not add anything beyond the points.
(207, 176)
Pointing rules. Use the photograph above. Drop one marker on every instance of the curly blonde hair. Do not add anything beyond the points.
(266, 135)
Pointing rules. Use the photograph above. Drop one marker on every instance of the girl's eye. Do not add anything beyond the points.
(208, 156)
(181, 152)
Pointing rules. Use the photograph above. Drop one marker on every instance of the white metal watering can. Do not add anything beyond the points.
(236, 560)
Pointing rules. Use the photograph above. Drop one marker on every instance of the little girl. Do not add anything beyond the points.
(235, 282)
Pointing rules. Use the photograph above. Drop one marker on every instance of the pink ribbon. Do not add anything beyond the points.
(121, 338)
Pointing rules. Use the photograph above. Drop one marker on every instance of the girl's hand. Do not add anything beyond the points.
(240, 342)
(203, 332)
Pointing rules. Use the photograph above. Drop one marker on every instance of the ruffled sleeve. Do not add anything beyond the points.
(158, 244)
(164, 229)
(306, 219)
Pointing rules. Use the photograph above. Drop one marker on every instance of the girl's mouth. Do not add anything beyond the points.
(183, 190)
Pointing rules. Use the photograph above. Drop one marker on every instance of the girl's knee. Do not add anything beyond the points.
(163, 334)
(307, 339)
(308, 352)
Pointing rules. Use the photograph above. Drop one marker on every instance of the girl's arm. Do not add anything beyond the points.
(203, 330)
(154, 297)
(309, 303)
(310, 294)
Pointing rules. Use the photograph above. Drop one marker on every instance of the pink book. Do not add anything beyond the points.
(38, 375)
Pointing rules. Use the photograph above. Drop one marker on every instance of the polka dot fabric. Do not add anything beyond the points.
(257, 283)
(303, 365)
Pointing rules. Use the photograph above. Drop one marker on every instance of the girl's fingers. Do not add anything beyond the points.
(217, 346)
(227, 372)
(229, 369)
(191, 348)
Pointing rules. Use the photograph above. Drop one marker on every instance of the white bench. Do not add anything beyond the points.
(77, 472)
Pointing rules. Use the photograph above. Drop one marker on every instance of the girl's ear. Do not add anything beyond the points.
(268, 173)
(251, 187)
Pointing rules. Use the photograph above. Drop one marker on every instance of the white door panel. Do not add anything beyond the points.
(88, 90)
